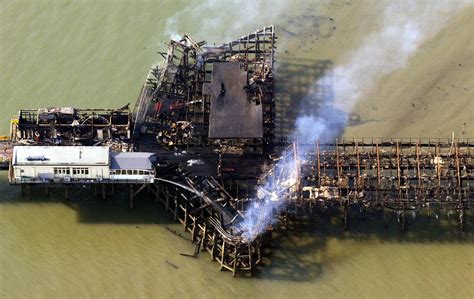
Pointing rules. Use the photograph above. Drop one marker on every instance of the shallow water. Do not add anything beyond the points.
(88, 247)
(97, 54)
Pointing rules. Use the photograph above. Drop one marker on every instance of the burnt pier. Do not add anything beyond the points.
(200, 139)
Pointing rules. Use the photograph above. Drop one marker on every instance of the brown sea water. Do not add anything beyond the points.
(97, 54)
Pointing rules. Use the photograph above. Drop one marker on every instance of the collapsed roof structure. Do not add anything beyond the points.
(73, 126)
(221, 95)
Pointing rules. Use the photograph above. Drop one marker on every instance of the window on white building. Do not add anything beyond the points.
(62, 170)
(80, 171)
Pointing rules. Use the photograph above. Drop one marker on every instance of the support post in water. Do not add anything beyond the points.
(132, 196)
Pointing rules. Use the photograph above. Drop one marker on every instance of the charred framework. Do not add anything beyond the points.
(196, 116)
(211, 95)
(73, 126)
(209, 112)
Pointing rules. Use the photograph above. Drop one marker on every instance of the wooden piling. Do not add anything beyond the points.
(132, 196)
(103, 191)
(346, 213)
(319, 164)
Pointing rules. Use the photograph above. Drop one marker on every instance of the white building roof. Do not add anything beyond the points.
(132, 160)
(62, 110)
(61, 155)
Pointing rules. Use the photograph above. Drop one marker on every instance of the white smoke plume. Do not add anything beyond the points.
(406, 25)
(223, 20)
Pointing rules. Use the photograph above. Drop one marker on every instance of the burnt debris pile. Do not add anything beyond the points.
(73, 126)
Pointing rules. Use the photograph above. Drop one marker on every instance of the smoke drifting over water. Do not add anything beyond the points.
(406, 25)
(223, 20)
